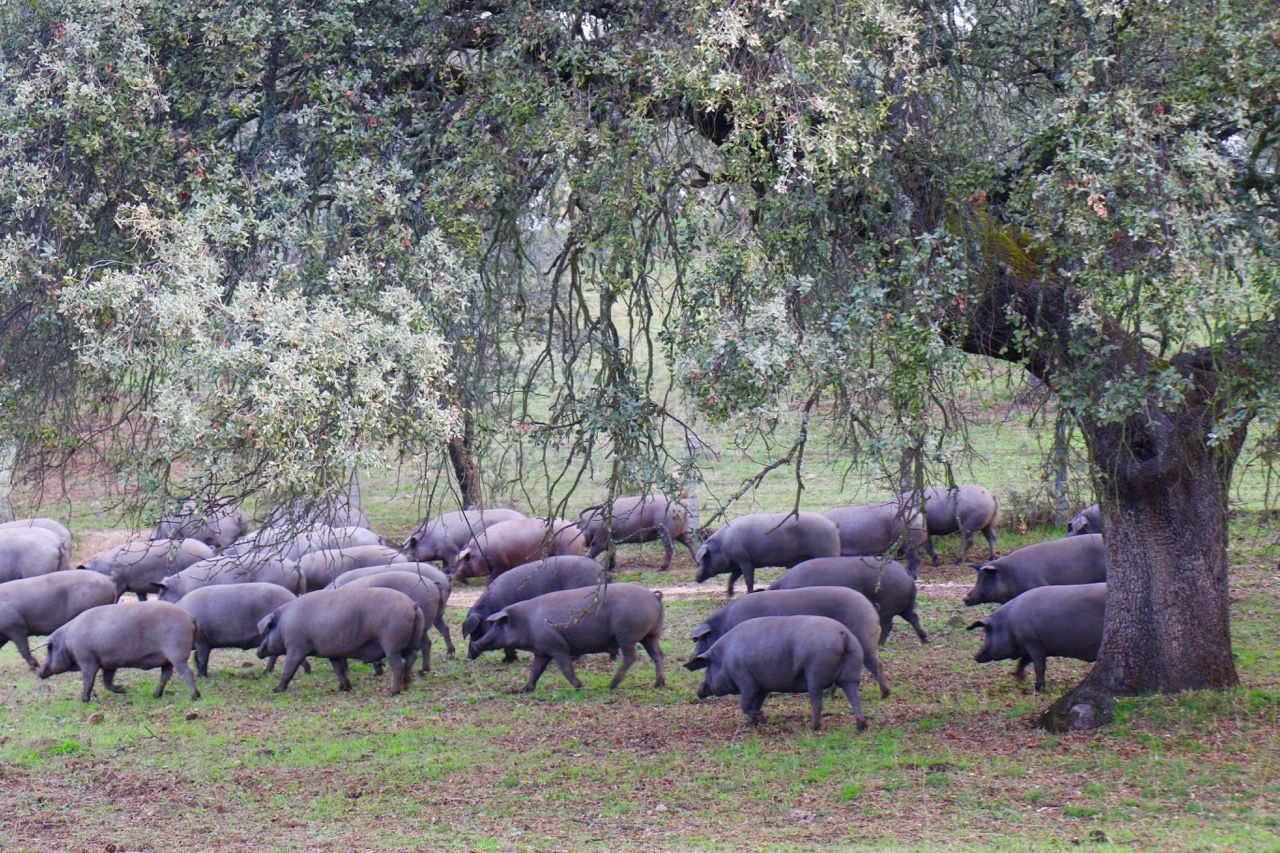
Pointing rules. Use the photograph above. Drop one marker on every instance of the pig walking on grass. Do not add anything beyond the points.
(1058, 562)
(41, 605)
(783, 654)
(1049, 621)
(425, 571)
(889, 586)
(31, 551)
(138, 566)
(320, 568)
(1087, 520)
(419, 588)
(525, 582)
(114, 636)
(365, 624)
(227, 617)
(765, 539)
(512, 543)
(964, 509)
(563, 625)
(442, 537)
(851, 609)
(639, 518)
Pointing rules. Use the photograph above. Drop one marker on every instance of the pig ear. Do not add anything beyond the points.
(462, 555)
(698, 662)
(987, 568)
(266, 623)
(981, 623)
(499, 617)
(701, 631)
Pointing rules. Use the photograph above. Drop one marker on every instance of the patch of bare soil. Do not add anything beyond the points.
(86, 546)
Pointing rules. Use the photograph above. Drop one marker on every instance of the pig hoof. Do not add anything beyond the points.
(277, 689)
(862, 724)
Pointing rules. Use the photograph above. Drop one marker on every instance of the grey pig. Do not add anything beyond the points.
(783, 654)
(54, 526)
(1049, 621)
(511, 543)
(851, 609)
(563, 625)
(1087, 520)
(366, 624)
(27, 552)
(1058, 562)
(227, 617)
(875, 529)
(138, 566)
(525, 582)
(425, 570)
(888, 586)
(639, 518)
(320, 568)
(765, 539)
(222, 569)
(442, 537)
(419, 588)
(964, 509)
(107, 638)
(41, 605)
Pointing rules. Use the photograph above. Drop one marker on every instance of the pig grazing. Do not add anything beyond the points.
(290, 543)
(851, 609)
(41, 605)
(640, 518)
(138, 566)
(1088, 520)
(227, 616)
(890, 587)
(964, 509)
(27, 552)
(1049, 621)
(875, 529)
(442, 537)
(766, 539)
(783, 654)
(366, 624)
(218, 527)
(1058, 562)
(425, 570)
(560, 626)
(320, 568)
(225, 570)
(510, 543)
(420, 589)
(525, 582)
(140, 636)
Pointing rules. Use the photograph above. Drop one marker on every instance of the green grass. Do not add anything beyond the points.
(950, 760)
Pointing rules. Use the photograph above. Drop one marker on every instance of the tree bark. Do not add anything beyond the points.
(465, 470)
(1164, 499)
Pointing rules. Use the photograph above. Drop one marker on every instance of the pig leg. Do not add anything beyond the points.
(654, 650)
(109, 681)
(928, 548)
(426, 654)
(291, 664)
(401, 672)
(990, 533)
(914, 621)
(271, 665)
(855, 702)
(1038, 660)
(684, 540)
(88, 672)
(1020, 671)
(667, 551)
(628, 658)
(565, 662)
(751, 700)
(340, 669)
(815, 705)
(966, 542)
(886, 625)
(166, 672)
(540, 662)
(441, 626)
(872, 663)
(19, 638)
(202, 658)
(180, 664)
(509, 656)
(142, 596)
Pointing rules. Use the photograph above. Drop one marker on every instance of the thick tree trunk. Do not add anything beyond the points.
(465, 470)
(1167, 623)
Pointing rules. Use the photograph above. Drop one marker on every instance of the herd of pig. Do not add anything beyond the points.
(327, 586)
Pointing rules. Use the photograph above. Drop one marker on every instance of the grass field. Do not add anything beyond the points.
(949, 761)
